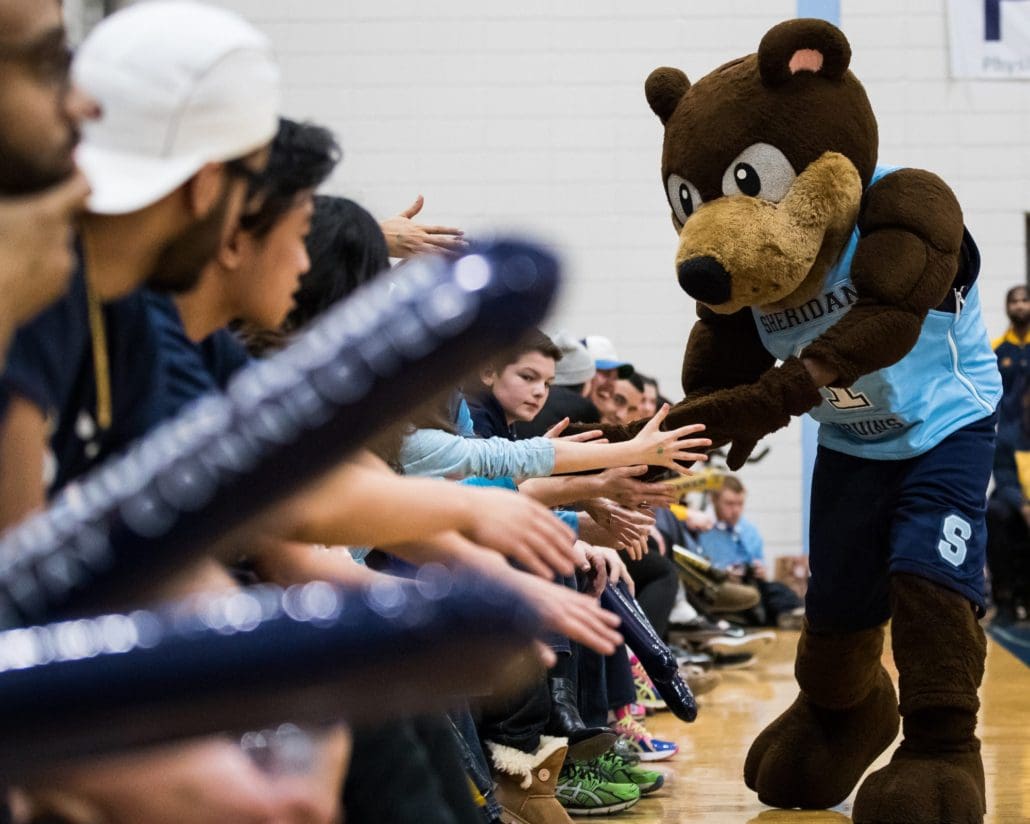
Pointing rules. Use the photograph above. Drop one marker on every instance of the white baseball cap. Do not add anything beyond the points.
(602, 350)
(179, 85)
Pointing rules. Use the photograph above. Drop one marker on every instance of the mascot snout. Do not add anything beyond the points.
(705, 279)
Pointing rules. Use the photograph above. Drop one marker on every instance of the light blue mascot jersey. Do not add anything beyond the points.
(949, 378)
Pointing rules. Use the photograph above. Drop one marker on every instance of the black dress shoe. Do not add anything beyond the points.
(585, 743)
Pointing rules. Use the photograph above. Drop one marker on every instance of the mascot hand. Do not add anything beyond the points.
(744, 415)
(739, 452)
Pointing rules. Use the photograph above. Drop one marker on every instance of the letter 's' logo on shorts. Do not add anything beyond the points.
(955, 531)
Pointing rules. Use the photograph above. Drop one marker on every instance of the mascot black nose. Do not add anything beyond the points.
(705, 279)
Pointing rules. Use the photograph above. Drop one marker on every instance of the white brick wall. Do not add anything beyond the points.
(531, 115)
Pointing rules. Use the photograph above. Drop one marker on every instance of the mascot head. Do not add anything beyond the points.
(764, 164)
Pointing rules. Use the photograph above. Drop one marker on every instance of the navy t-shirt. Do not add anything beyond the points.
(190, 369)
(51, 365)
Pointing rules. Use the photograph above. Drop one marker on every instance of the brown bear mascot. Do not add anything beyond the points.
(862, 280)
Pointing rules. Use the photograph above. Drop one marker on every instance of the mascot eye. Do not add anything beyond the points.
(761, 171)
(683, 197)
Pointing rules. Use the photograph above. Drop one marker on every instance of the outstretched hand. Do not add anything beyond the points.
(595, 436)
(623, 485)
(405, 238)
(524, 531)
(573, 614)
(744, 415)
(670, 448)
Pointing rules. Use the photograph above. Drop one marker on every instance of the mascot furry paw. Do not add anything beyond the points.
(861, 280)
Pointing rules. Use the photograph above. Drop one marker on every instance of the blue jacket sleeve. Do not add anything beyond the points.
(436, 453)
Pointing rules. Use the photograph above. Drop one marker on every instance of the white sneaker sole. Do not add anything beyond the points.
(726, 645)
(614, 808)
(654, 756)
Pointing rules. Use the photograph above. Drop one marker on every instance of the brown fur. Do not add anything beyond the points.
(936, 774)
(767, 164)
(845, 716)
(705, 368)
(777, 254)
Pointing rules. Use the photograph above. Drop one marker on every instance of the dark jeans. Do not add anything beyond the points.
(1008, 554)
(656, 582)
(518, 722)
(408, 771)
(477, 767)
(605, 683)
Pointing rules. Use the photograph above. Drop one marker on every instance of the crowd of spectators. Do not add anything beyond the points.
(159, 231)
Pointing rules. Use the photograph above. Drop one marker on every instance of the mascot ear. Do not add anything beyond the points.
(806, 45)
(665, 88)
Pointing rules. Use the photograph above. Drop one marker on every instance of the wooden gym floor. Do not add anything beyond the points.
(704, 783)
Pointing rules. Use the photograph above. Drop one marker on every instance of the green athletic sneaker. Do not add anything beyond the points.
(620, 770)
(583, 790)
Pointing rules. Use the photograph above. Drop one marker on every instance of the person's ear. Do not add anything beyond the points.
(488, 376)
(204, 189)
(230, 254)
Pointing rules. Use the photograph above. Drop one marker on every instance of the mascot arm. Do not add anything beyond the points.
(723, 351)
(723, 367)
(904, 266)
(731, 387)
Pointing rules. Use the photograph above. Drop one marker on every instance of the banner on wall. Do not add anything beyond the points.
(990, 39)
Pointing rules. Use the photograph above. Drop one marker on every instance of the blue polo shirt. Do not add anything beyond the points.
(726, 545)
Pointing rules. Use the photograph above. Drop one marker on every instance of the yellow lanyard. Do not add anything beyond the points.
(101, 368)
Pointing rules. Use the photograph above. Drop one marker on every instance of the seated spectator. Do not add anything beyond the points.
(1013, 352)
(735, 545)
(627, 400)
(610, 368)
(1008, 510)
(40, 190)
(1008, 521)
(80, 376)
(568, 398)
(515, 387)
(652, 399)
(183, 122)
